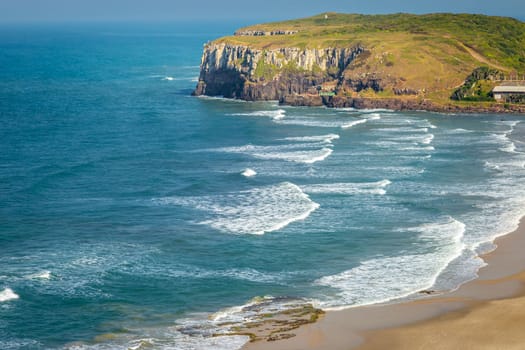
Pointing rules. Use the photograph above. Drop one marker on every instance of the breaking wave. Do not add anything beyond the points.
(388, 278)
(256, 211)
(348, 188)
(8, 294)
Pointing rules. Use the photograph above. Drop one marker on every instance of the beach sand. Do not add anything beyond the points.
(487, 313)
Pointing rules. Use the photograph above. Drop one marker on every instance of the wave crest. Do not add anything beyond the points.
(8, 294)
(256, 211)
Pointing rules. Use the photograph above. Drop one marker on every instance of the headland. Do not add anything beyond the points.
(436, 62)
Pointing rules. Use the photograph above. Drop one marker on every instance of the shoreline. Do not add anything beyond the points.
(401, 104)
(394, 104)
(414, 324)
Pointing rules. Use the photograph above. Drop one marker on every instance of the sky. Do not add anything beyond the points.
(261, 10)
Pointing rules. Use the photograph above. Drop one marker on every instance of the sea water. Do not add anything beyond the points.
(135, 215)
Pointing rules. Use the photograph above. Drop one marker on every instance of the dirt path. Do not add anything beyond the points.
(481, 58)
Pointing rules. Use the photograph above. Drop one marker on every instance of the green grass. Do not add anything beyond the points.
(500, 39)
(432, 54)
(265, 70)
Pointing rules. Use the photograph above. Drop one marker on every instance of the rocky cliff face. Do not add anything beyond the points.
(253, 74)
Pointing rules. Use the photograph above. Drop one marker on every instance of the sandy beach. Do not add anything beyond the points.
(486, 313)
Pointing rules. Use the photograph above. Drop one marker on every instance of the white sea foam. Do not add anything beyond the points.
(400, 129)
(80, 268)
(428, 139)
(311, 121)
(503, 140)
(509, 165)
(249, 172)
(8, 294)
(510, 123)
(414, 144)
(186, 271)
(459, 131)
(319, 138)
(168, 78)
(41, 275)
(273, 114)
(348, 188)
(255, 308)
(387, 278)
(410, 148)
(353, 123)
(17, 344)
(375, 110)
(307, 153)
(186, 336)
(510, 148)
(499, 215)
(424, 139)
(507, 145)
(431, 126)
(492, 166)
(222, 98)
(373, 116)
(256, 211)
(345, 109)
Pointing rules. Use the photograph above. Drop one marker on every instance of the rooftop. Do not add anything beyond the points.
(509, 88)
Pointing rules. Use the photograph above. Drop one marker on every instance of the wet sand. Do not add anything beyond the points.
(487, 313)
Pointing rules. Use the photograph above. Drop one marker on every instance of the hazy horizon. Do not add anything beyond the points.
(237, 10)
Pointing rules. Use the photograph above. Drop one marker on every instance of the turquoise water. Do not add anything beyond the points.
(132, 213)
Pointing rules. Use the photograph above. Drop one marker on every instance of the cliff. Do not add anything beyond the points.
(256, 74)
(330, 58)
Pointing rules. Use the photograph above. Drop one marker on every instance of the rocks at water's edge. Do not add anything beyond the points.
(397, 104)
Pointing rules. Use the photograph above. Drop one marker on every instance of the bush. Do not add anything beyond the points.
(475, 87)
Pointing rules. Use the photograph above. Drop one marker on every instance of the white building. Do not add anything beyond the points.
(504, 93)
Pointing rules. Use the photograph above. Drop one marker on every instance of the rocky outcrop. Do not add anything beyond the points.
(254, 74)
(309, 100)
(399, 104)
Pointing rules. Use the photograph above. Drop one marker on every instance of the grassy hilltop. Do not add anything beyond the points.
(432, 54)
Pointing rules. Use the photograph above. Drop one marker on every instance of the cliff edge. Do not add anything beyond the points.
(398, 61)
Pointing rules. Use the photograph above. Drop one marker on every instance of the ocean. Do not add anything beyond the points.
(133, 215)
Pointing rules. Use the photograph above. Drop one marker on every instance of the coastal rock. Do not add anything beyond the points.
(236, 71)
(309, 100)
(412, 104)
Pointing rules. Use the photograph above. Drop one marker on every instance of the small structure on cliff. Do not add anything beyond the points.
(264, 32)
(510, 93)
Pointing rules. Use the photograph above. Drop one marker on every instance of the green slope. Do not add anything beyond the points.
(432, 54)
(497, 39)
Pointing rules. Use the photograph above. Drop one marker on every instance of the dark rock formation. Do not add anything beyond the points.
(250, 74)
(309, 100)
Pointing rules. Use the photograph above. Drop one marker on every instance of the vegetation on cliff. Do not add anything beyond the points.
(478, 85)
(500, 39)
(433, 56)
